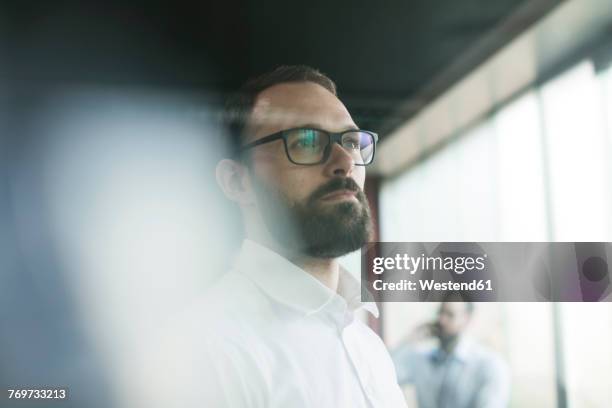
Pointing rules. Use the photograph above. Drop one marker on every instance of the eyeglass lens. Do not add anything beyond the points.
(307, 146)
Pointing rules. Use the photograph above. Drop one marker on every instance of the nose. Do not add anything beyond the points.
(340, 162)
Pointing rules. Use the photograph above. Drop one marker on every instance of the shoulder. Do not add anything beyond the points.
(490, 362)
(232, 308)
(233, 295)
(229, 313)
(216, 334)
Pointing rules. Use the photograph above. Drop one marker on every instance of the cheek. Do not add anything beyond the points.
(359, 175)
(299, 185)
(294, 183)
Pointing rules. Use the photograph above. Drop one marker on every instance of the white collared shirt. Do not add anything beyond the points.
(469, 377)
(277, 337)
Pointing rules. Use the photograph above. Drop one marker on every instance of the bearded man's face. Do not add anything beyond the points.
(318, 210)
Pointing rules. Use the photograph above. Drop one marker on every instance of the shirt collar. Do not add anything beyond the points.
(286, 283)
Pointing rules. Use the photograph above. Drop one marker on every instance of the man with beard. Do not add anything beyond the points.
(458, 373)
(283, 330)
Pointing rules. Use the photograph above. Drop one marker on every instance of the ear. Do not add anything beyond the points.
(232, 178)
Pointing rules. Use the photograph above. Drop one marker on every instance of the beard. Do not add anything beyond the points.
(312, 228)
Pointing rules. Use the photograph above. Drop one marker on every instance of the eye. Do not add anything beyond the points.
(307, 141)
(352, 144)
(304, 138)
(352, 141)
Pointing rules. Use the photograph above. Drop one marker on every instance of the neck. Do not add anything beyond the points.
(327, 271)
(448, 344)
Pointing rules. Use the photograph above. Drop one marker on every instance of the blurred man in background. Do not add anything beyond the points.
(458, 373)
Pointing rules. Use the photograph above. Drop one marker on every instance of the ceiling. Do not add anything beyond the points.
(388, 58)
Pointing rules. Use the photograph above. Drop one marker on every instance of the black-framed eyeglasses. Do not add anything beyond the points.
(308, 146)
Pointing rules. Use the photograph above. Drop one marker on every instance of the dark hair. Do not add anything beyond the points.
(240, 105)
(456, 296)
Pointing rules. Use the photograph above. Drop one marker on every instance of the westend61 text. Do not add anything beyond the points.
(429, 284)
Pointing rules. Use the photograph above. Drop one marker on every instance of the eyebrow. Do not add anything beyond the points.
(313, 126)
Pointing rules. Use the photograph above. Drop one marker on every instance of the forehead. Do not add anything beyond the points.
(291, 105)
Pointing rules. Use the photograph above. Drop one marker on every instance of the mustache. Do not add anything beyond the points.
(336, 184)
